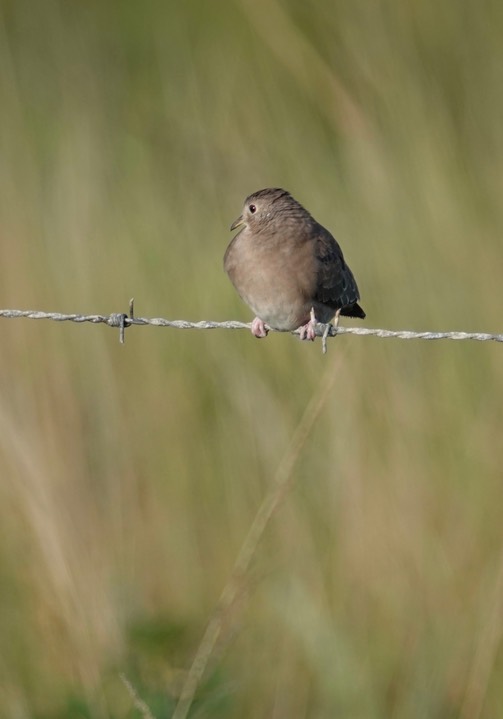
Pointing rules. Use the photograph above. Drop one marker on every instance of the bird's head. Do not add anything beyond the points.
(264, 206)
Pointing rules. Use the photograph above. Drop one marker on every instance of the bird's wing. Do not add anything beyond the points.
(335, 285)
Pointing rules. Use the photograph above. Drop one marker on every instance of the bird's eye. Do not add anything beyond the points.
(253, 209)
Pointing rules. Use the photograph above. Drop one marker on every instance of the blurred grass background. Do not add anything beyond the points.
(129, 136)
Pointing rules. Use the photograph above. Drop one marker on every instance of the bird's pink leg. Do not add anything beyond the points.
(258, 328)
(308, 331)
(336, 318)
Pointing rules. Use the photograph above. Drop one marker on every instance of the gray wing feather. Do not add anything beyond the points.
(336, 286)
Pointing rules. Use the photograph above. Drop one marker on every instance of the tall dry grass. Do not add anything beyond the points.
(129, 136)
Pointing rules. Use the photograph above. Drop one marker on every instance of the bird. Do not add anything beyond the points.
(288, 268)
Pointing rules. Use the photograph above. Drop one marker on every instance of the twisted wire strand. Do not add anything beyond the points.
(123, 321)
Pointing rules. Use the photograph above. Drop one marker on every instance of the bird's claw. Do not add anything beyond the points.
(308, 331)
(258, 328)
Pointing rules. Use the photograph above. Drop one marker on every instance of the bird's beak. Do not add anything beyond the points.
(237, 223)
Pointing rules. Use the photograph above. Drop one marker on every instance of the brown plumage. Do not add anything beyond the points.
(284, 265)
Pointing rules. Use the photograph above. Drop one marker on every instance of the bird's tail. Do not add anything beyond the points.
(353, 311)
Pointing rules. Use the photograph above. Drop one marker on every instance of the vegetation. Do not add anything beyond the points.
(130, 134)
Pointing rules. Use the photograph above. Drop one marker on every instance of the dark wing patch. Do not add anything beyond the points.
(336, 286)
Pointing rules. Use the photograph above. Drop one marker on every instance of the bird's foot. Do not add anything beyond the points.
(258, 328)
(308, 331)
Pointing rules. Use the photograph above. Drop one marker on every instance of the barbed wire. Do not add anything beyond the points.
(122, 321)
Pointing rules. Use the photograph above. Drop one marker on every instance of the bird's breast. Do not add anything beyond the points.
(275, 278)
